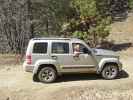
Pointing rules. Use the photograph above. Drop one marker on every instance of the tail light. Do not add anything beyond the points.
(28, 59)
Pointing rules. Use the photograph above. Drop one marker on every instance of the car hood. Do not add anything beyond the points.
(103, 52)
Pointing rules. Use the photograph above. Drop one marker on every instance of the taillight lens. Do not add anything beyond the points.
(28, 59)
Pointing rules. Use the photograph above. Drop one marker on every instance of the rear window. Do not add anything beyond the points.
(60, 48)
(40, 48)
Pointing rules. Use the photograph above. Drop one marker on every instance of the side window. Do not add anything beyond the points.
(77, 47)
(60, 48)
(40, 48)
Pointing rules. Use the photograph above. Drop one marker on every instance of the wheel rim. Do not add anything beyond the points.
(47, 75)
(110, 72)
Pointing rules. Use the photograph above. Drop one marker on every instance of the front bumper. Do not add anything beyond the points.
(27, 68)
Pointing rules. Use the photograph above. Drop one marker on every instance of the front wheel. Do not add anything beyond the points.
(47, 75)
(110, 71)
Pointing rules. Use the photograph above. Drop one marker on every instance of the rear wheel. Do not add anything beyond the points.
(110, 71)
(47, 75)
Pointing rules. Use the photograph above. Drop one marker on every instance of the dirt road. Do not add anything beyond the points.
(15, 84)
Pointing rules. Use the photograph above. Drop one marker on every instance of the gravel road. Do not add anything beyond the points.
(15, 84)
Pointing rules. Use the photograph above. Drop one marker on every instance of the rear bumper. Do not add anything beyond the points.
(27, 68)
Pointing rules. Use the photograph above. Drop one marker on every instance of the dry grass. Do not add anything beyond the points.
(17, 85)
(122, 32)
(94, 94)
(9, 59)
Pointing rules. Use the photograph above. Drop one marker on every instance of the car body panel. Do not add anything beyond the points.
(68, 63)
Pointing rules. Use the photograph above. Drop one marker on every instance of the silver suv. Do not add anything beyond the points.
(49, 57)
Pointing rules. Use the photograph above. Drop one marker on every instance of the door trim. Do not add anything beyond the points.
(78, 66)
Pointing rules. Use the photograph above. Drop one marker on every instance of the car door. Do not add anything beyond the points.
(60, 51)
(84, 62)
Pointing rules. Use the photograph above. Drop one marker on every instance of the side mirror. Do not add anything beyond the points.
(85, 50)
(89, 52)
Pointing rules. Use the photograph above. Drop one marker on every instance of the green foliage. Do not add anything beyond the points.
(42, 34)
(104, 7)
(81, 35)
(131, 4)
(49, 15)
(94, 34)
(93, 21)
(85, 19)
(86, 7)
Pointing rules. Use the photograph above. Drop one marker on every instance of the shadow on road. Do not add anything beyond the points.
(79, 77)
(122, 46)
(123, 74)
(115, 47)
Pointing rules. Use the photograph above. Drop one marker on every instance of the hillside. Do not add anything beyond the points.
(122, 36)
(123, 31)
(17, 85)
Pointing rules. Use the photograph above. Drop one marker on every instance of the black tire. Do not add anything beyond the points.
(110, 71)
(35, 78)
(47, 75)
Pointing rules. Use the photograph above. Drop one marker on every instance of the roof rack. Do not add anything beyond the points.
(50, 38)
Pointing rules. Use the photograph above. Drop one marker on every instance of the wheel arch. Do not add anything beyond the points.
(46, 65)
(43, 63)
(105, 62)
(37, 68)
(109, 63)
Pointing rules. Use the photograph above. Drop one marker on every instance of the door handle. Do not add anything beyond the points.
(54, 57)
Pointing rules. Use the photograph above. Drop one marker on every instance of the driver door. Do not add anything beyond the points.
(84, 62)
